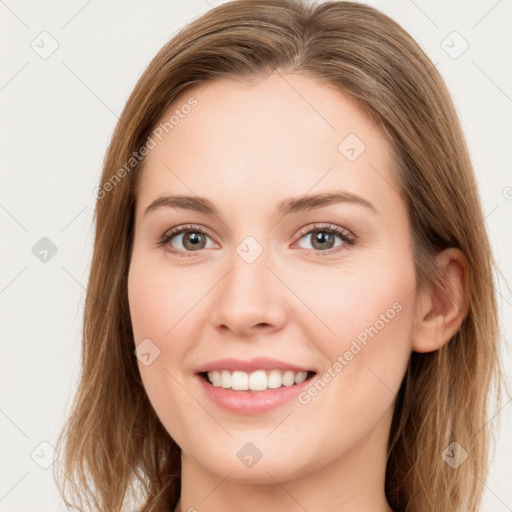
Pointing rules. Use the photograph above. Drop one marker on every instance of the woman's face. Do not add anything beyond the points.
(312, 285)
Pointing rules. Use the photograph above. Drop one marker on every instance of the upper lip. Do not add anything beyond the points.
(258, 363)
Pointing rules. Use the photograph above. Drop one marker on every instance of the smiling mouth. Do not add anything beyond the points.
(256, 381)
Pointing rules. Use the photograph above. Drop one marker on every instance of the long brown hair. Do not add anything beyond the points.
(113, 445)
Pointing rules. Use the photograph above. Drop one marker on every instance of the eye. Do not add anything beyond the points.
(192, 238)
(323, 237)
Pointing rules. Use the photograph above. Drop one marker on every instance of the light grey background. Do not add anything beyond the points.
(58, 113)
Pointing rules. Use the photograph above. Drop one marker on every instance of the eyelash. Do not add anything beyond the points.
(346, 236)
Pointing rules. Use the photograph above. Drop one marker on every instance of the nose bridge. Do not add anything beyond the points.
(249, 295)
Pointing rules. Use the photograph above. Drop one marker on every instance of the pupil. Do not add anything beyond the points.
(194, 238)
(321, 237)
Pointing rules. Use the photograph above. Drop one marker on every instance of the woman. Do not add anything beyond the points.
(291, 299)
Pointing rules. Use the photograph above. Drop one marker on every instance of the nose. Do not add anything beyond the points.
(250, 298)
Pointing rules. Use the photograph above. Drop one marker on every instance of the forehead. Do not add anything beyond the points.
(281, 135)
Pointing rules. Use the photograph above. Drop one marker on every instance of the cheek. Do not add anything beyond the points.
(156, 310)
(363, 321)
(345, 305)
(159, 300)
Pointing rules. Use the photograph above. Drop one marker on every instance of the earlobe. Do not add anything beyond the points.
(442, 308)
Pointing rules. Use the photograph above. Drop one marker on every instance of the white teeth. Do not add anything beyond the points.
(289, 378)
(225, 379)
(300, 377)
(215, 378)
(240, 381)
(258, 380)
(274, 379)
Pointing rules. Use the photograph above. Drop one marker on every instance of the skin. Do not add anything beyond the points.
(246, 148)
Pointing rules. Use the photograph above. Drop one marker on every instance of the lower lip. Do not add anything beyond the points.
(247, 402)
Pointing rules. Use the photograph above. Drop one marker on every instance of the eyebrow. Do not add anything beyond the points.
(287, 206)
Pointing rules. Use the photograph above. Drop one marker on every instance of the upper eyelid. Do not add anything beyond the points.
(324, 225)
(178, 230)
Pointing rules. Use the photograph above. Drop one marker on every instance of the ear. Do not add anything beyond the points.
(441, 310)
